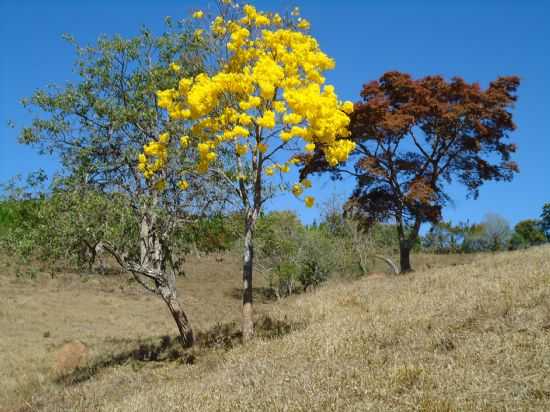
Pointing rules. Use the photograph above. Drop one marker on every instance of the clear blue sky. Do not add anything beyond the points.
(478, 40)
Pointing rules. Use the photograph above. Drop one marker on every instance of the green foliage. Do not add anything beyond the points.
(292, 255)
(444, 237)
(545, 220)
(97, 126)
(215, 233)
(527, 233)
(278, 237)
(64, 227)
(492, 234)
(517, 241)
(316, 258)
(18, 220)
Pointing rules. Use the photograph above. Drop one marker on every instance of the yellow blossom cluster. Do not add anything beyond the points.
(154, 156)
(269, 90)
(298, 189)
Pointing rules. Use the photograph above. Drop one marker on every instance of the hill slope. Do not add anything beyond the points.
(468, 337)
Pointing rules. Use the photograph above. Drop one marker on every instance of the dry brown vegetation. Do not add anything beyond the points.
(466, 336)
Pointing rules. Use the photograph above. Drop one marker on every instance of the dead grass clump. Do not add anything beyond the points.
(436, 405)
(406, 377)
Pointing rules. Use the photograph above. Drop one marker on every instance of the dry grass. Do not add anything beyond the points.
(474, 336)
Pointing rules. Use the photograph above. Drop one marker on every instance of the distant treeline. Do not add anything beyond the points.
(66, 229)
(492, 234)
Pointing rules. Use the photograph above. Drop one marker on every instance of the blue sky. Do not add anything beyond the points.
(478, 40)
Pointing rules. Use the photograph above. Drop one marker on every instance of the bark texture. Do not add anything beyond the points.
(184, 326)
(248, 261)
(405, 256)
(156, 271)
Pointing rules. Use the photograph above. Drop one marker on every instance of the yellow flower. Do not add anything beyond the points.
(279, 106)
(292, 118)
(267, 120)
(198, 34)
(306, 183)
(175, 67)
(347, 107)
(272, 77)
(277, 20)
(241, 149)
(245, 119)
(184, 141)
(218, 27)
(203, 148)
(253, 101)
(164, 138)
(285, 136)
(309, 201)
(310, 147)
(284, 168)
(160, 185)
(303, 24)
(183, 184)
(297, 189)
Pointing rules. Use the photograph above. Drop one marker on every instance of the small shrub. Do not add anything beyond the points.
(316, 258)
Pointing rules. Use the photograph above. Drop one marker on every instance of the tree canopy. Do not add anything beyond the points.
(415, 136)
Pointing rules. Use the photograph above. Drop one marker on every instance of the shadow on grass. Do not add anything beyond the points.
(168, 349)
(266, 295)
(262, 295)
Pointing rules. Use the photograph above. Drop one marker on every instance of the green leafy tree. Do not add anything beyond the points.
(98, 126)
(530, 232)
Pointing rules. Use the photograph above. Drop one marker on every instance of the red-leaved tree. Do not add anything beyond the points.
(414, 137)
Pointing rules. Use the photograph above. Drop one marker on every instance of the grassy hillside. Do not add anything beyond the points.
(473, 336)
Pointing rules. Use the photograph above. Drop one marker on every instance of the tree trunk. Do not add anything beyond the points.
(247, 320)
(154, 255)
(405, 256)
(184, 326)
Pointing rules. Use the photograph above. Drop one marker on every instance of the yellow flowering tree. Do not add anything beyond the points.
(264, 106)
